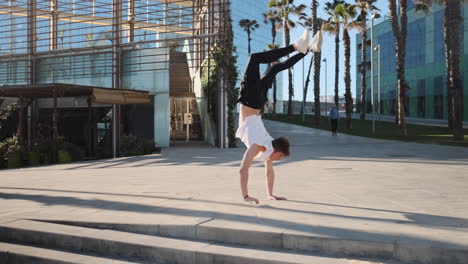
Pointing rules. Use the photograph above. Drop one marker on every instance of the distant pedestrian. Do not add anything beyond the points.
(334, 116)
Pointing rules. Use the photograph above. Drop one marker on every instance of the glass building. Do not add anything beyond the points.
(425, 66)
(158, 47)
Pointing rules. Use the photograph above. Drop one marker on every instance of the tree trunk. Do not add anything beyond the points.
(273, 37)
(400, 37)
(274, 96)
(317, 57)
(248, 40)
(454, 22)
(337, 64)
(20, 127)
(273, 31)
(306, 86)
(347, 77)
(364, 67)
(448, 60)
(290, 84)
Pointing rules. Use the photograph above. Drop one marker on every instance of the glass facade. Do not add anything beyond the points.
(416, 40)
(76, 42)
(425, 66)
(85, 42)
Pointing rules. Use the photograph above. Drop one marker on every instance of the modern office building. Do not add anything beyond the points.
(425, 66)
(102, 68)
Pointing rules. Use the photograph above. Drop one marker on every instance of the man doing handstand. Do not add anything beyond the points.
(253, 96)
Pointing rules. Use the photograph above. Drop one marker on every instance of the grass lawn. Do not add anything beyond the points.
(383, 130)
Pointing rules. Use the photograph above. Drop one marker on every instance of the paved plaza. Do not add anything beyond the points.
(345, 188)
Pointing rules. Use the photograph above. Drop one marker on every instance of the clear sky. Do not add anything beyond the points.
(328, 51)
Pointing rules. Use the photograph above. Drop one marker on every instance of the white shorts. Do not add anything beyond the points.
(252, 131)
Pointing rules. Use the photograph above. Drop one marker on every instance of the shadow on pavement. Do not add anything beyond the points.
(417, 218)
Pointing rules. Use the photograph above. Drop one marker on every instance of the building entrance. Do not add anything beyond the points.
(185, 120)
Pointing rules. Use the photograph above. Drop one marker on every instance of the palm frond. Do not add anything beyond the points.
(354, 25)
(329, 27)
(272, 3)
(273, 46)
(291, 24)
(279, 26)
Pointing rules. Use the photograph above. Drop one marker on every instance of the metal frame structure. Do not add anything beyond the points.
(54, 41)
(55, 29)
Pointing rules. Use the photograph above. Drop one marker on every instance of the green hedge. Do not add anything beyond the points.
(134, 146)
(8, 121)
(42, 152)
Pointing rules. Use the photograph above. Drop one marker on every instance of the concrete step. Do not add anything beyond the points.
(410, 251)
(21, 254)
(163, 250)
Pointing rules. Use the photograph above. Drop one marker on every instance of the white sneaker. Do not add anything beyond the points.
(301, 43)
(316, 43)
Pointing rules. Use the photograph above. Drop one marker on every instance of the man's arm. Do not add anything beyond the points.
(249, 155)
(270, 177)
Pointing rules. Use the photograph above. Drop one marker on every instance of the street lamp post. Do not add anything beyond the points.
(377, 48)
(374, 15)
(326, 87)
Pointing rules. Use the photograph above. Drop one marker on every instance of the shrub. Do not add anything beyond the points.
(11, 149)
(76, 153)
(34, 158)
(8, 121)
(148, 145)
(64, 156)
(133, 146)
(15, 160)
(10, 145)
(45, 147)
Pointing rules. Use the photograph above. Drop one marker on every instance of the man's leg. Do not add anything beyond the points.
(271, 55)
(334, 125)
(252, 71)
(270, 74)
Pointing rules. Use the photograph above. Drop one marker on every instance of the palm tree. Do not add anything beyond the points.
(317, 60)
(271, 17)
(400, 28)
(332, 26)
(366, 7)
(452, 39)
(284, 10)
(347, 13)
(248, 26)
(313, 23)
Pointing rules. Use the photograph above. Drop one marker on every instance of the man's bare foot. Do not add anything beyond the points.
(276, 198)
(251, 200)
